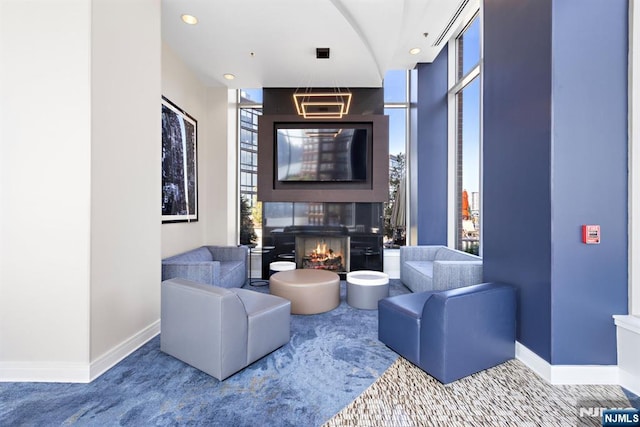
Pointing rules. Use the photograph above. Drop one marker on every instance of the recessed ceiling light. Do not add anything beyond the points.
(414, 51)
(229, 76)
(189, 19)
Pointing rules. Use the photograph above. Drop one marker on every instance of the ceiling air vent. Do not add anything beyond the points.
(322, 53)
(452, 21)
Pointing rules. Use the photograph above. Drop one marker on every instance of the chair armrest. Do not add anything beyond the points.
(204, 326)
(201, 272)
(418, 253)
(478, 320)
(456, 274)
(229, 253)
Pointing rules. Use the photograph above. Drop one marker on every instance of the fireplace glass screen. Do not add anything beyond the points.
(323, 253)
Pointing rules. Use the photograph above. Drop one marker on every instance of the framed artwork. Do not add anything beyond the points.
(179, 164)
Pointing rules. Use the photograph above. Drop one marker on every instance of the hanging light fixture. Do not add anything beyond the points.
(322, 105)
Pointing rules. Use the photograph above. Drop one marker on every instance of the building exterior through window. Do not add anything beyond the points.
(468, 159)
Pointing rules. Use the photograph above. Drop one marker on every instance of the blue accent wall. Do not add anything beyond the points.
(516, 215)
(589, 161)
(432, 151)
(555, 157)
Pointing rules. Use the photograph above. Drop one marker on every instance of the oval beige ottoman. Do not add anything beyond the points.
(310, 291)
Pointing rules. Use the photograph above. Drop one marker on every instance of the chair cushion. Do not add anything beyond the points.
(418, 275)
(399, 323)
(410, 305)
(422, 267)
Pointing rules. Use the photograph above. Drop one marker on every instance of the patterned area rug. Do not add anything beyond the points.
(507, 395)
(331, 358)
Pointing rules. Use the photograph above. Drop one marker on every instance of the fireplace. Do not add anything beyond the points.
(322, 252)
(350, 231)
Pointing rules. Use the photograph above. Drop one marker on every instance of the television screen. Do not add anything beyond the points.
(322, 154)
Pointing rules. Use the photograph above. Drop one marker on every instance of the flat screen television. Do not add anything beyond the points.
(361, 176)
(338, 152)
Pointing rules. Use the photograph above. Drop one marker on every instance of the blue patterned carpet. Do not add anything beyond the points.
(331, 359)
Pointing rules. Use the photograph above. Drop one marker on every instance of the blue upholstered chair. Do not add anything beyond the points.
(224, 266)
(454, 333)
(220, 331)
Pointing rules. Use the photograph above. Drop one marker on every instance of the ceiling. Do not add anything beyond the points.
(272, 43)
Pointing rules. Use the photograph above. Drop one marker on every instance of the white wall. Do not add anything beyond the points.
(45, 152)
(182, 88)
(223, 199)
(212, 109)
(125, 176)
(80, 159)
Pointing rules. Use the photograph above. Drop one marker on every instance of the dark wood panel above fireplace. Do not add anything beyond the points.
(375, 188)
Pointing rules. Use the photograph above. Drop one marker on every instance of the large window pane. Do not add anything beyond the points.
(395, 86)
(469, 167)
(394, 211)
(251, 95)
(469, 48)
(250, 208)
(397, 129)
(467, 139)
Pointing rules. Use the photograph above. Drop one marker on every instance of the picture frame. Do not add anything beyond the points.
(179, 164)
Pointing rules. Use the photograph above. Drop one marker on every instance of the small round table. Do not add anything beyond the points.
(277, 266)
(365, 288)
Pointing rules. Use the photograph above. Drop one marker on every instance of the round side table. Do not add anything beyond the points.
(365, 288)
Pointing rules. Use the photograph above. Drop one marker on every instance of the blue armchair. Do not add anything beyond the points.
(437, 268)
(224, 266)
(454, 333)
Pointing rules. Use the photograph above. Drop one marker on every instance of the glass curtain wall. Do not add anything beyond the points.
(467, 138)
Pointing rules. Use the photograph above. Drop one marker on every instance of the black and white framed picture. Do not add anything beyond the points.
(179, 164)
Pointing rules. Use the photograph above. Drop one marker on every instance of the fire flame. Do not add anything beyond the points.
(321, 252)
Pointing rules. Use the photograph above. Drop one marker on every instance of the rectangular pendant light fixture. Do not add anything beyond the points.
(322, 105)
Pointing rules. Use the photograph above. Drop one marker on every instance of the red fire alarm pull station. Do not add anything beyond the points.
(591, 234)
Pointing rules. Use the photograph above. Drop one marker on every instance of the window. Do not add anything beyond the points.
(249, 153)
(249, 109)
(466, 103)
(396, 94)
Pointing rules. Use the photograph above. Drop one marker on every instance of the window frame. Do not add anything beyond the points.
(634, 161)
(456, 86)
(406, 106)
(242, 107)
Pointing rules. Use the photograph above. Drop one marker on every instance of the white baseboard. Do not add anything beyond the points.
(629, 381)
(567, 374)
(628, 336)
(60, 372)
(392, 263)
(55, 372)
(105, 362)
